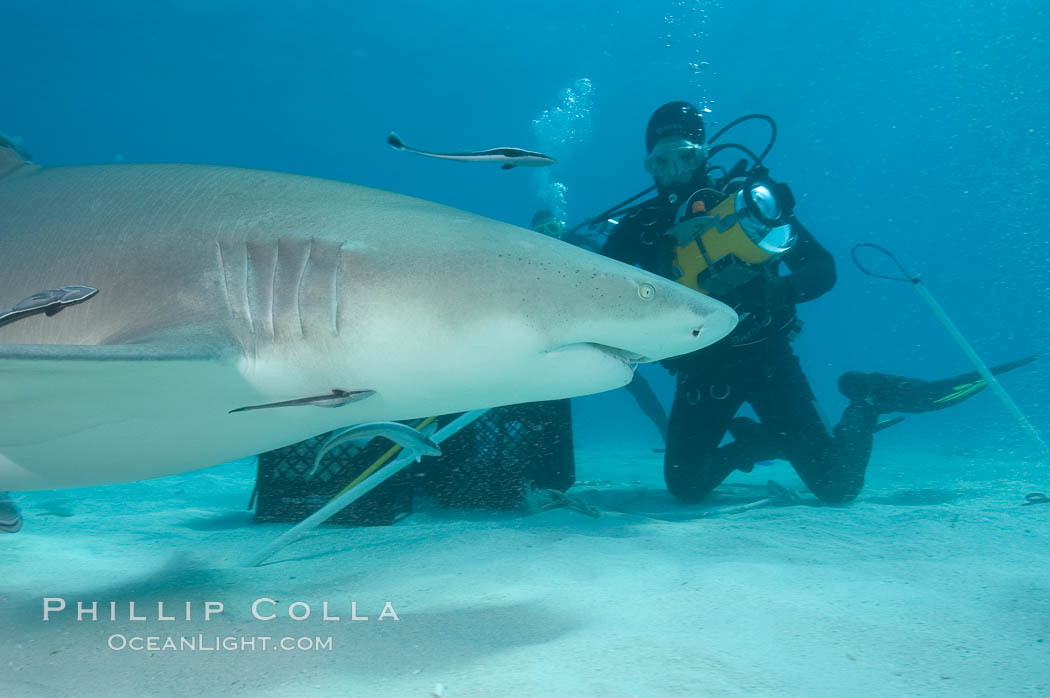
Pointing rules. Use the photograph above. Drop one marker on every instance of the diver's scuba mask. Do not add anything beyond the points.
(675, 160)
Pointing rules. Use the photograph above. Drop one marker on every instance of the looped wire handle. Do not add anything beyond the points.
(907, 277)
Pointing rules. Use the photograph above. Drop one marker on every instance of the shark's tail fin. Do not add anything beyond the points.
(394, 141)
(12, 154)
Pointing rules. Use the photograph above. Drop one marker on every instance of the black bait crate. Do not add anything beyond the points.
(488, 464)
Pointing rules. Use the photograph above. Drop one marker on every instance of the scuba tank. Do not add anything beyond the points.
(724, 247)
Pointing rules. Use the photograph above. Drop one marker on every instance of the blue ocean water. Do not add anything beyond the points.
(917, 125)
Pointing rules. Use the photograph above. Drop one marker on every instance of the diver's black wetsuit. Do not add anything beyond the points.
(754, 364)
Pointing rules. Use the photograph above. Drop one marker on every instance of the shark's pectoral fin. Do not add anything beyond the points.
(48, 391)
(185, 344)
(337, 398)
(508, 166)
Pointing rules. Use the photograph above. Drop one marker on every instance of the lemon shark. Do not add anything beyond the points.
(163, 318)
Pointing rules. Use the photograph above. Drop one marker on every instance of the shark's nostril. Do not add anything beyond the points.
(697, 331)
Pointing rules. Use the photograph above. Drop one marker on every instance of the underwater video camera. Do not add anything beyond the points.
(723, 248)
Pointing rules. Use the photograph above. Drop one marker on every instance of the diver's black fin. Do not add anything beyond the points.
(887, 423)
(897, 394)
(508, 166)
(336, 398)
(954, 390)
(1009, 365)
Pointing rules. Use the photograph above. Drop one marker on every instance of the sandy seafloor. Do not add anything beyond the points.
(932, 587)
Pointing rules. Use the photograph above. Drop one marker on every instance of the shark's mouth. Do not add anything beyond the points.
(628, 357)
(593, 351)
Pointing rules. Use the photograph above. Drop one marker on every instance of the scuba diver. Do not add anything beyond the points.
(544, 221)
(732, 234)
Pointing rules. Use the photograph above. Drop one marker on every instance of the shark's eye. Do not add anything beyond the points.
(646, 291)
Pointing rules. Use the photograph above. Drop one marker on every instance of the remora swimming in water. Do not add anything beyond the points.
(507, 157)
(222, 288)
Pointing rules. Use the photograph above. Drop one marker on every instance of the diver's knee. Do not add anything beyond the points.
(688, 494)
(687, 484)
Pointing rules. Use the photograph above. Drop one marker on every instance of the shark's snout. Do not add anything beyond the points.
(685, 322)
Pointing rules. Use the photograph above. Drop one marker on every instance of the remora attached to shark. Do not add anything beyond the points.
(221, 289)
